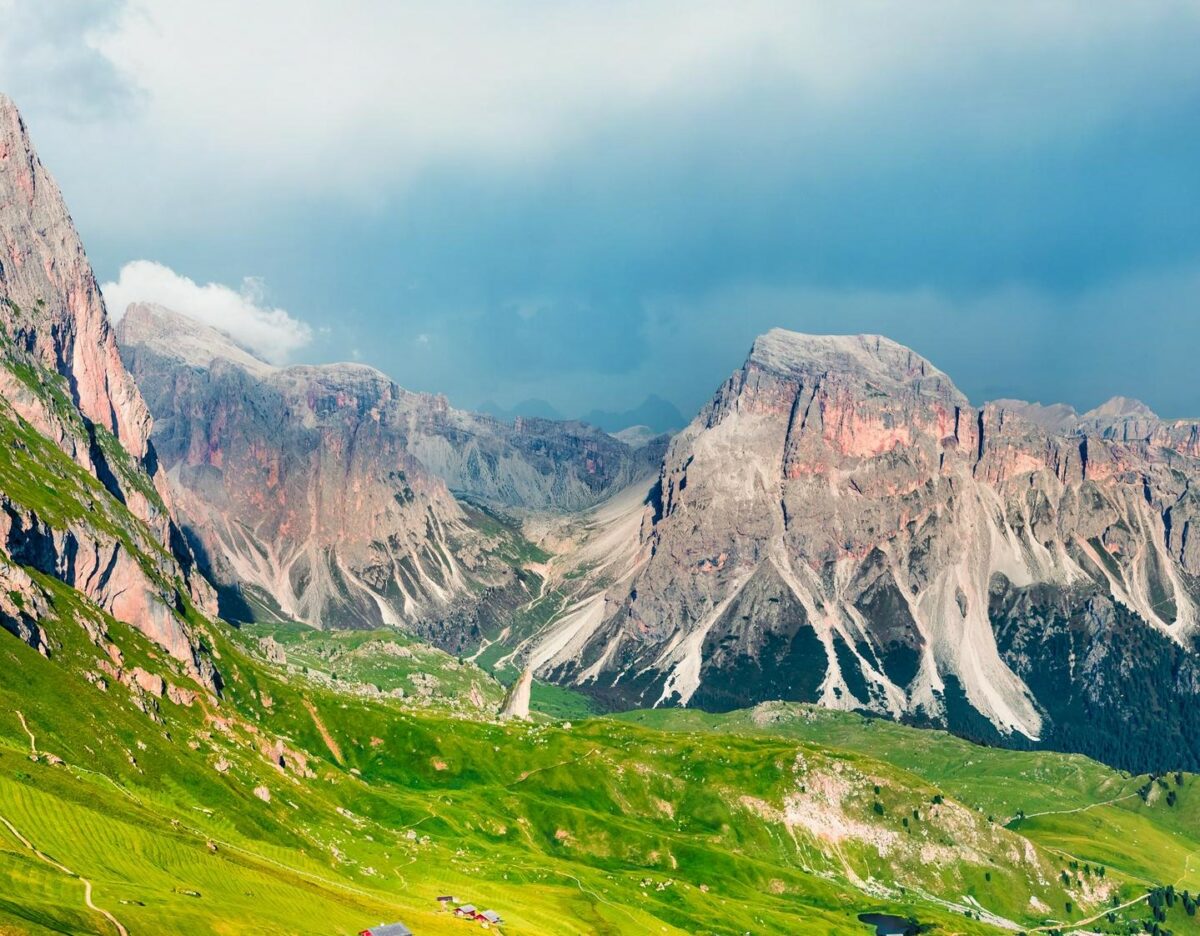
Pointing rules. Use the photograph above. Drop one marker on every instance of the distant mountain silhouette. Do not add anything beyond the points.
(539, 409)
(654, 412)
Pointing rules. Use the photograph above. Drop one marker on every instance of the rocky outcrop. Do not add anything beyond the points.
(834, 525)
(22, 606)
(516, 700)
(54, 320)
(81, 495)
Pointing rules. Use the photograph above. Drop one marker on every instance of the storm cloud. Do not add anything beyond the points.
(587, 203)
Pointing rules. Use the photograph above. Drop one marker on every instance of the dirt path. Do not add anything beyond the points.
(1091, 919)
(574, 760)
(32, 740)
(578, 883)
(87, 885)
(329, 742)
(250, 853)
(1077, 809)
(1187, 867)
(1072, 857)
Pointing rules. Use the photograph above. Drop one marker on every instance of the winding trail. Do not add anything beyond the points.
(32, 740)
(584, 890)
(87, 885)
(1077, 809)
(1092, 919)
(574, 760)
(1187, 868)
(223, 844)
(1073, 857)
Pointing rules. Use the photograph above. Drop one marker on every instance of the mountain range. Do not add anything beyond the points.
(257, 622)
(841, 525)
(654, 415)
(838, 525)
(323, 494)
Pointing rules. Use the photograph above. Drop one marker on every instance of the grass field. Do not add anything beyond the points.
(659, 822)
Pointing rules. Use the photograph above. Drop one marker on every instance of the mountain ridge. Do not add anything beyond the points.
(839, 509)
(75, 422)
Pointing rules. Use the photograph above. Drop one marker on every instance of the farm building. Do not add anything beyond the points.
(388, 929)
(466, 910)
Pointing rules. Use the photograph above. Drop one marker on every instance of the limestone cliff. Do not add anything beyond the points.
(81, 495)
(841, 525)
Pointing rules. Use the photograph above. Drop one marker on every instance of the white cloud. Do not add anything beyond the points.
(243, 314)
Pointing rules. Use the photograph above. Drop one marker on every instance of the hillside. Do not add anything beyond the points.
(165, 770)
(293, 807)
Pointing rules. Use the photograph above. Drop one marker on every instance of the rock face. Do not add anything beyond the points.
(322, 492)
(840, 525)
(22, 606)
(53, 309)
(81, 496)
(530, 465)
(300, 490)
(516, 700)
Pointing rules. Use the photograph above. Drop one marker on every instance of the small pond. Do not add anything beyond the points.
(888, 924)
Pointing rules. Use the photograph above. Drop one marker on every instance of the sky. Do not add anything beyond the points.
(590, 202)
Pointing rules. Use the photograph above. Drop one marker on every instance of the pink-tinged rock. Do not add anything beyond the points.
(53, 316)
(148, 682)
(837, 522)
(181, 696)
(64, 323)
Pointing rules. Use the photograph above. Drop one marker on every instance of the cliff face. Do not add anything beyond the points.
(300, 489)
(81, 496)
(53, 309)
(529, 465)
(840, 525)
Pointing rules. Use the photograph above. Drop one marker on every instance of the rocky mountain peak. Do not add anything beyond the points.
(874, 359)
(50, 303)
(61, 376)
(16, 153)
(840, 526)
(1120, 407)
(1055, 418)
(182, 338)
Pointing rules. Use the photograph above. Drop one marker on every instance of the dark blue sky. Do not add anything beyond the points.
(590, 203)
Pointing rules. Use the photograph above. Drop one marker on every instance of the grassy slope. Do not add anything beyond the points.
(385, 659)
(1073, 806)
(561, 830)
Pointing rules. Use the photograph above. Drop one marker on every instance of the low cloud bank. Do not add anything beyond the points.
(243, 314)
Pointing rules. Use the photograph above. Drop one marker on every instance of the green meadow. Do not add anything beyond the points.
(781, 820)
